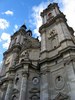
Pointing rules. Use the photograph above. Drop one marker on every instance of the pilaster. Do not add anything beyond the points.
(9, 90)
(23, 86)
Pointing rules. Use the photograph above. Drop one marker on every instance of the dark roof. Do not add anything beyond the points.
(24, 26)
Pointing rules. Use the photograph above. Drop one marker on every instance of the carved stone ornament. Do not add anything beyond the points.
(34, 97)
(35, 80)
(59, 82)
(52, 33)
(24, 54)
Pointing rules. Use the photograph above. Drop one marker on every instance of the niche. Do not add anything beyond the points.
(16, 80)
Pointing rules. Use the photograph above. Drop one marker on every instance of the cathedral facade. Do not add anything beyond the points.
(45, 70)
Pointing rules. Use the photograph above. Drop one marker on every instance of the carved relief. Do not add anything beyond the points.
(35, 80)
(24, 55)
(59, 82)
(53, 38)
(52, 33)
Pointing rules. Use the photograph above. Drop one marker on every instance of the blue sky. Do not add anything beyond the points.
(14, 13)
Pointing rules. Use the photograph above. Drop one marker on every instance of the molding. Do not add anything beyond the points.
(60, 44)
(67, 49)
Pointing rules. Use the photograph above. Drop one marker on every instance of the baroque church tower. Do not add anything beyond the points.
(45, 70)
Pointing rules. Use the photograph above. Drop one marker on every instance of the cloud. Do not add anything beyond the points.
(8, 12)
(36, 20)
(69, 11)
(16, 27)
(5, 38)
(68, 8)
(3, 24)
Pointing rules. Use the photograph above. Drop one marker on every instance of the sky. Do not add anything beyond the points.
(14, 13)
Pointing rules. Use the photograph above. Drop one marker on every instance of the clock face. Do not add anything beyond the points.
(35, 80)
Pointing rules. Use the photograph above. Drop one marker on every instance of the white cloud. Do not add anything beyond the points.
(16, 27)
(69, 10)
(5, 38)
(3, 24)
(8, 12)
(36, 18)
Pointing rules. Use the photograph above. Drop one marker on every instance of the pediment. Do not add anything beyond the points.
(61, 96)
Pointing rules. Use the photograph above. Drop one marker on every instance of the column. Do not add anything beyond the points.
(23, 86)
(9, 90)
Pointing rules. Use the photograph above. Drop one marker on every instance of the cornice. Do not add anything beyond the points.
(58, 45)
(60, 53)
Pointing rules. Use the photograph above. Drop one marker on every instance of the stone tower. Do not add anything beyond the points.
(40, 71)
(57, 64)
